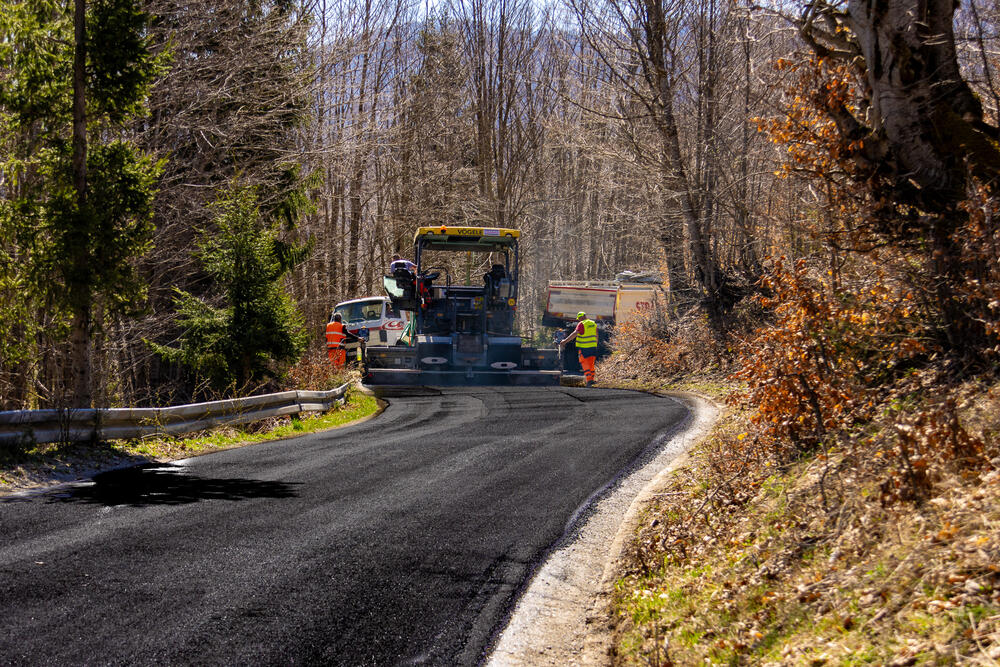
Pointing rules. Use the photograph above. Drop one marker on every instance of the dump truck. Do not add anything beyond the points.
(459, 333)
(607, 302)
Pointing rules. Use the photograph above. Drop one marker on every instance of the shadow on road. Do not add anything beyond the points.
(165, 484)
(400, 391)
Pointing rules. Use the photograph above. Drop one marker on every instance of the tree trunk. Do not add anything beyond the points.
(80, 334)
(933, 131)
(918, 96)
(675, 176)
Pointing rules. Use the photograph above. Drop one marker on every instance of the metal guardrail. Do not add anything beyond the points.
(75, 425)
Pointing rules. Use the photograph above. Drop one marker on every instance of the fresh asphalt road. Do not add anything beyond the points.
(400, 540)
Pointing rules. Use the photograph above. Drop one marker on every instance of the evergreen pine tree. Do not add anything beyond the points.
(257, 328)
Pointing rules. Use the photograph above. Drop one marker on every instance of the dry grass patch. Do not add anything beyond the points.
(746, 559)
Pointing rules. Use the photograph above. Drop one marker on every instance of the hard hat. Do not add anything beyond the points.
(581, 315)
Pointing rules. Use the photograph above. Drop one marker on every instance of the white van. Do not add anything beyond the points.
(373, 319)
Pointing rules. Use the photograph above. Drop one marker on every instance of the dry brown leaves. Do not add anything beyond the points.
(748, 560)
(657, 347)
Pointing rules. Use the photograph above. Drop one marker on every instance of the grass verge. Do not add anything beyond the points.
(48, 464)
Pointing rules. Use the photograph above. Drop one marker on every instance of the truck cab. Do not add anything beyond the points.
(373, 319)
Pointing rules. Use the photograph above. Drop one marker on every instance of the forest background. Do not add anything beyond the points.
(187, 188)
(184, 197)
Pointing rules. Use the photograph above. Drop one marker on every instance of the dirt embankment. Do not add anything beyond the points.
(823, 560)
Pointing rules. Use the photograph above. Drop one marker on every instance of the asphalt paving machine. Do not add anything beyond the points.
(459, 333)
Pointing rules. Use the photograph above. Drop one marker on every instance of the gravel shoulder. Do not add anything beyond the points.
(563, 617)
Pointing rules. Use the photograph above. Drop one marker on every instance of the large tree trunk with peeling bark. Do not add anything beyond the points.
(920, 101)
(933, 125)
(922, 134)
(930, 119)
(923, 128)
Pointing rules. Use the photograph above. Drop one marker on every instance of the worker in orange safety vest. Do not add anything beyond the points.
(335, 337)
(585, 335)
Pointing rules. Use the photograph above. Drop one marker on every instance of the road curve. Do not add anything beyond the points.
(401, 540)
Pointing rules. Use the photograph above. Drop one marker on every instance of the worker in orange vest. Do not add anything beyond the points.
(585, 335)
(335, 337)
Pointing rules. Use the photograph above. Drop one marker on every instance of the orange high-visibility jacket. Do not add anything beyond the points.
(334, 335)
